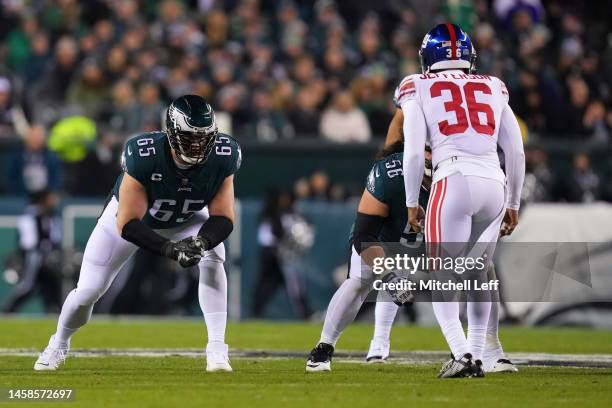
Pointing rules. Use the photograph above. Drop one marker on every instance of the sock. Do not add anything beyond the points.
(447, 314)
(72, 317)
(493, 348)
(384, 316)
(343, 308)
(478, 317)
(212, 294)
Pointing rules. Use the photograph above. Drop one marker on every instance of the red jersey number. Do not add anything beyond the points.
(473, 107)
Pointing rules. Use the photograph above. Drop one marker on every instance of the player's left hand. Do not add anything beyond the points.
(413, 218)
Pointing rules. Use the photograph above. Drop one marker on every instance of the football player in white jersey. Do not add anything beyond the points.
(464, 117)
(494, 359)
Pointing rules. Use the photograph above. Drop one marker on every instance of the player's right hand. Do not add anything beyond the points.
(413, 218)
(510, 222)
(188, 252)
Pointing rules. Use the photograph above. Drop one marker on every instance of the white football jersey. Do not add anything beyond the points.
(462, 113)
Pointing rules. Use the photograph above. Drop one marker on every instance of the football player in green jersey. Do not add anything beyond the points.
(174, 198)
(381, 217)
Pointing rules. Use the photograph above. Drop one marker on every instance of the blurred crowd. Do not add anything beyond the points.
(101, 70)
(291, 68)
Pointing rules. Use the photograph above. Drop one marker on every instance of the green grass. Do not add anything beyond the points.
(123, 333)
(181, 381)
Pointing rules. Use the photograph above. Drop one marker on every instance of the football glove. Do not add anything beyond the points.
(188, 252)
(399, 296)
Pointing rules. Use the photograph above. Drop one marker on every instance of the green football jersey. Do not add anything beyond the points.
(386, 183)
(174, 194)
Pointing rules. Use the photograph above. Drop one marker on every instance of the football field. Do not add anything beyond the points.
(160, 363)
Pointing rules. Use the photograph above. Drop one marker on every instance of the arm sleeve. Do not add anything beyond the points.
(415, 132)
(512, 144)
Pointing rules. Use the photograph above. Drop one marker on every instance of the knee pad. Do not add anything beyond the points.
(86, 296)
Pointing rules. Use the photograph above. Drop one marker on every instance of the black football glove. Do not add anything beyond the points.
(399, 296)
(188, 252)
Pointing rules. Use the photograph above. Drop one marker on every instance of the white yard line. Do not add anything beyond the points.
(408, 358)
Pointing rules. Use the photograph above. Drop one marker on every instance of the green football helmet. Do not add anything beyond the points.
(191, 128)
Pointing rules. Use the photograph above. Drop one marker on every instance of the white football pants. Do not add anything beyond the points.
(463, 218)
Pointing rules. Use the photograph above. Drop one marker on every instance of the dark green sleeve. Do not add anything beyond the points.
(133, 164)
(376, 183)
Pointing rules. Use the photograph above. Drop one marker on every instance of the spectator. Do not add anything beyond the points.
(583, 185)
(38, 59)
(304, 116)
(539, 181)
(89, 93)
(124, 117)
(342, 122)
(50, 91)
(34, 168)
(267, 124)
(150, 107)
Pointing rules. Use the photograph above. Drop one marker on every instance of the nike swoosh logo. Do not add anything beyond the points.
(44, 364)
(129, 151)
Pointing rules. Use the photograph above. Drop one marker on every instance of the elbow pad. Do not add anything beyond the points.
(215, 230)
(367, 230)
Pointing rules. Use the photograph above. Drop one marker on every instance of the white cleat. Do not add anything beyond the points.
(503, 365)
(52, 357)
(217, 358)
(313, 367)
(379, 351)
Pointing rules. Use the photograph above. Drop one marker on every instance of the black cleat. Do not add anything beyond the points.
(457, 368)
(320, 358)
(477, 370)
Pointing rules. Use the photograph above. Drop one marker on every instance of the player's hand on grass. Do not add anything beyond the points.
(510, 222)
(187, 252)
(415, 215)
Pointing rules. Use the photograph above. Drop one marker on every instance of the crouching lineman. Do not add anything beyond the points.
(381, 217)
(175, 198)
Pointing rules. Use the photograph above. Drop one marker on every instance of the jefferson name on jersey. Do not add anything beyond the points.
(173, 194)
